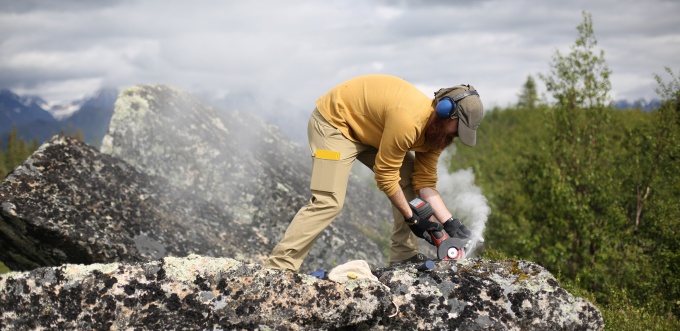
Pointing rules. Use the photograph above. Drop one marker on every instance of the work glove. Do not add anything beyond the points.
(420, 227)
(455, 229)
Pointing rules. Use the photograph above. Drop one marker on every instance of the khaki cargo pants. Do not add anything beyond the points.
(329, 183)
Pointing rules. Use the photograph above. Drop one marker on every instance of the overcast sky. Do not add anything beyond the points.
(286, 53)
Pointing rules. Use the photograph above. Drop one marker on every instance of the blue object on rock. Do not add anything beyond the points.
(428, 265)
(320, 274)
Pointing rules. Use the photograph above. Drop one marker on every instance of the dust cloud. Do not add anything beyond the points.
(464, 199)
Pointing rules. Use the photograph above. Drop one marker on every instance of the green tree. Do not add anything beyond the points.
(580, 79)
(33, 146)
(15, 149)
(653, 156)
(18, 150)
(571, 178)
(528, 98)
(3, 161)
(78, 134)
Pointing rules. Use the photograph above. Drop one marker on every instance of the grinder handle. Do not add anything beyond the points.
(424, 211)
(422, 208)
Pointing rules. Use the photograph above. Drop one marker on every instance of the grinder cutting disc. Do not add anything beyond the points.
(452, 249)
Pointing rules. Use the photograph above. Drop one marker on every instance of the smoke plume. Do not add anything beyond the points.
(464, 199)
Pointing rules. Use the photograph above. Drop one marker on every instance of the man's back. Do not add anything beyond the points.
(362, 107)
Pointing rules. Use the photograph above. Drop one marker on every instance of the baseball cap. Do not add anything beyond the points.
(469, 111)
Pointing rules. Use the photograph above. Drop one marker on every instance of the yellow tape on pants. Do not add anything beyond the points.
(327, 155)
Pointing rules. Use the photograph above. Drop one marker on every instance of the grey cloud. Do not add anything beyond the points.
(32, 77)
(295, 50)
(24, 6)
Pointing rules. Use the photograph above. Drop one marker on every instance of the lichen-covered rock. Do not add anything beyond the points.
(194, 293)
(238, 161)
(199, 293)
(69, 203)
(486, 295)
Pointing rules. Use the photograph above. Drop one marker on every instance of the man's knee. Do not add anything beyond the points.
(326, 203)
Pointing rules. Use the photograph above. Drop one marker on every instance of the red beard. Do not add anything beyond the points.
(436, 136)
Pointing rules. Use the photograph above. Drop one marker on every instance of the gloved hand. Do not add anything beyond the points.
(421, 227)
(455, 229)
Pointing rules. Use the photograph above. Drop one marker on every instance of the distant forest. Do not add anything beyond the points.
(587, 190)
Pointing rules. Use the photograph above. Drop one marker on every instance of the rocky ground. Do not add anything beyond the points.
(200, 293)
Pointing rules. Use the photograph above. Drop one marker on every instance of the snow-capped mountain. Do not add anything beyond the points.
(64, 110)
(19, 110)
(34, 118)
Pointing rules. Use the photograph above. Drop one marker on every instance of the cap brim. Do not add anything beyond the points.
(467, 135)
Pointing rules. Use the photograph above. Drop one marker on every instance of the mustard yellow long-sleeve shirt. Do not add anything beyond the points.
(390, 114)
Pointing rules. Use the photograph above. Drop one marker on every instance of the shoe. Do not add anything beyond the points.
(414, 259)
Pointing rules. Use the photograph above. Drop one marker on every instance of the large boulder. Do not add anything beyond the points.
(201, 293)
(69, 203)
(239, 162)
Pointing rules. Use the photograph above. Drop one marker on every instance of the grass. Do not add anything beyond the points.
(3, 268)
(623, 315)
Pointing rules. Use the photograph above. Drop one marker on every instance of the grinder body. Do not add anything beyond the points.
(447, 248)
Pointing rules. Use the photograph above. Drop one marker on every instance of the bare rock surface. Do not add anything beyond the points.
(237, 161)
(69, 203)
(203, 293)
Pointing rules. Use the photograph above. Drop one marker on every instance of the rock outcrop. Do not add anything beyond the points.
(237, 161)
(69, 203)
(201, 293)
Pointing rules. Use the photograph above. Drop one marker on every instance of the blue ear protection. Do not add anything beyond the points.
(447, 107)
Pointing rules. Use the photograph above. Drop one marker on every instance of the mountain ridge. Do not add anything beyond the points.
(35, 119)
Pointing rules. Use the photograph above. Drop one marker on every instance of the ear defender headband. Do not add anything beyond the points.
(447, 107)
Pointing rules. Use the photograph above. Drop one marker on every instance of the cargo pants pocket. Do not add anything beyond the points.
(324, 170)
